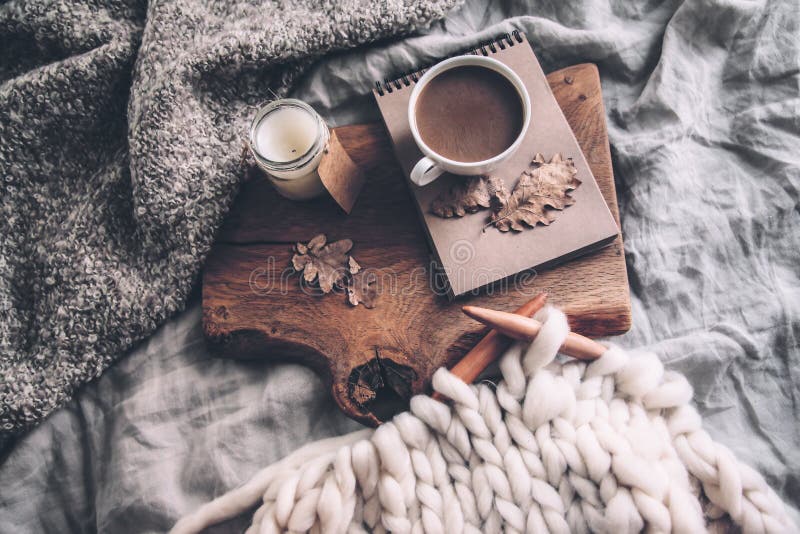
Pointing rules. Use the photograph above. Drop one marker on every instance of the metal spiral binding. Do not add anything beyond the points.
(489, 47)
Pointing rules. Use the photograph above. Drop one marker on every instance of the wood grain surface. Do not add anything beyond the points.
(373, 360)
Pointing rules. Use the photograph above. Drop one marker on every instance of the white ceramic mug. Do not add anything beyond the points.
(433, 165)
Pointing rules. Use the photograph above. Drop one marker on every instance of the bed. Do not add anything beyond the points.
(703, 111)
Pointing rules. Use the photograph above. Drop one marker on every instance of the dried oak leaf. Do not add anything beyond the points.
(327, 263)
(540, 191)
(465, 196)
(363, 288)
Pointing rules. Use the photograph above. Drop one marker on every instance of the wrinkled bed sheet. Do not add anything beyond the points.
(703, 111)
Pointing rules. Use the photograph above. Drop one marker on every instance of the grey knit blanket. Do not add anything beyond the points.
(120, 130)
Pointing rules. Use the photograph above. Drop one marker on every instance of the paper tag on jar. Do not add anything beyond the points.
(339, 174)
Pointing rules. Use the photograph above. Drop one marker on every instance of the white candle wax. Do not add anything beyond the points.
(288, 139)
(286, 134)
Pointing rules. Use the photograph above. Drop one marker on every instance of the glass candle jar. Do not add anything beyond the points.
(287, 139)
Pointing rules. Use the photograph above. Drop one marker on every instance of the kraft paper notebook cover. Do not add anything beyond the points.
(470, 257)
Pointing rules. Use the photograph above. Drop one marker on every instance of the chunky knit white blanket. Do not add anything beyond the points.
(556, 446)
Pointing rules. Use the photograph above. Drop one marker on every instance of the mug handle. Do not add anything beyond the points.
(425, 171)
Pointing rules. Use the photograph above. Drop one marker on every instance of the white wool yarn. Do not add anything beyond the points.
(557, 446)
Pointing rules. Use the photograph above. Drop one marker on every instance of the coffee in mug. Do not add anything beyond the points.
(467, 115)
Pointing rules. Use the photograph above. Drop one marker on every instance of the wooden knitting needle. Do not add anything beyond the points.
(490, 347)
(526, 329)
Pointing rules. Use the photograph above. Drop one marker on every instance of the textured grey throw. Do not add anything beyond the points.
(120, 132)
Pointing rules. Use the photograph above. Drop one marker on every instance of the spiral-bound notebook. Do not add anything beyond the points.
(469, 255)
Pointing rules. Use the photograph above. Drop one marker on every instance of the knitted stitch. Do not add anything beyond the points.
(120, 131)
(557, 446)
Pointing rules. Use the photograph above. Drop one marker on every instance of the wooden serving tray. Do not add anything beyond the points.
(374, 360)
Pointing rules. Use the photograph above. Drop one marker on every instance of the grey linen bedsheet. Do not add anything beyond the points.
(704, 119)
